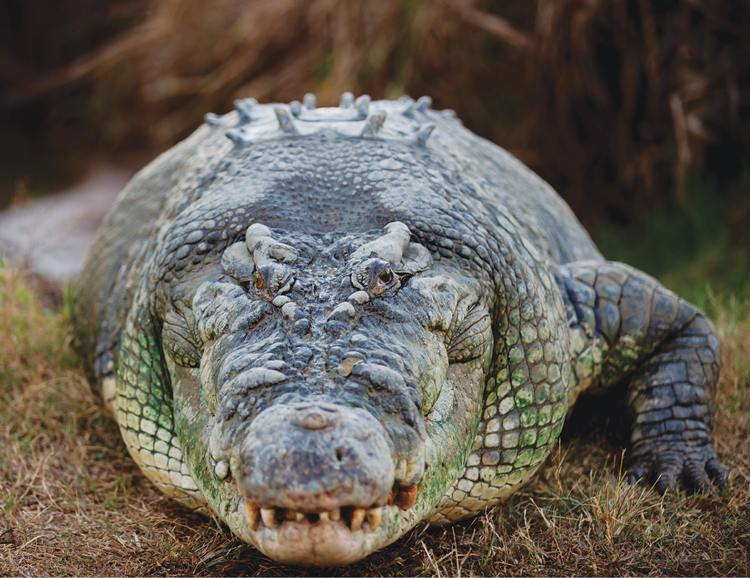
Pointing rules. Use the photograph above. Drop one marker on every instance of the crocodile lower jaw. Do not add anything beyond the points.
(329, 538)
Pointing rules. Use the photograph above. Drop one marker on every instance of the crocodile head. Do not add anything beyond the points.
(327, 388)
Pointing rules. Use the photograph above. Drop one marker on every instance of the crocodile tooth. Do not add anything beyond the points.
(407, 497)
(324, 516)
(374, 517)
(252, 510)
(269, 517)
(300, 517)
(335, 514)
(358, 516)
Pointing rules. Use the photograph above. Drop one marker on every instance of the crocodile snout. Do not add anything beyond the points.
(316, 457)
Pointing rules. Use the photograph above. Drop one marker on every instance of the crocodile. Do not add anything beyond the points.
(327, 325)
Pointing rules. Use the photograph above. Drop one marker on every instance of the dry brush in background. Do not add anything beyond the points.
(611, 100)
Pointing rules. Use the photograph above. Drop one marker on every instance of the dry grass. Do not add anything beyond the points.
(72, 501)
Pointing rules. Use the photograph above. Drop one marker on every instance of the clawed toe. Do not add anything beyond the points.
(666, 478)
(695, 478)
(717, 473)
(673, 471)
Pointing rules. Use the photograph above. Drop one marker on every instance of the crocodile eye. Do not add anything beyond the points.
(383, 280)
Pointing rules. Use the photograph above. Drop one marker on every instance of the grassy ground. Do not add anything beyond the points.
(72, 501)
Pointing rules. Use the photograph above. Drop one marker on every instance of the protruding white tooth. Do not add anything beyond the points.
(374, 517)
(335, 514)
(358, 517)
(324, 516)
(299, 517)
(253, 512)
(269, 517)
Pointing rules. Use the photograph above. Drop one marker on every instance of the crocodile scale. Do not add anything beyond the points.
(325, 326)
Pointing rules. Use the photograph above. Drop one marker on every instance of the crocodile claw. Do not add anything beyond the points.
(694, 468)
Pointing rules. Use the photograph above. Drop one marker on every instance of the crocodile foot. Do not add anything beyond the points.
(667, 465)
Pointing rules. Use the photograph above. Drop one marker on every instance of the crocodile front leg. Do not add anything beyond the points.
(626, 326)
(144, 412)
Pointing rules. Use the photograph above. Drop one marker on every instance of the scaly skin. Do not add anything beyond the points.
(339, 323)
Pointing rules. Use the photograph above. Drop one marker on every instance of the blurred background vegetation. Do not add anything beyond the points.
(636, 111)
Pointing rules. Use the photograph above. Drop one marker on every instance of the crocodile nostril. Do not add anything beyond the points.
(340, 453)
(311, 419)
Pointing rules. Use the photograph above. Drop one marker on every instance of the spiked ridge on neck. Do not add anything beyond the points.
(353, 118)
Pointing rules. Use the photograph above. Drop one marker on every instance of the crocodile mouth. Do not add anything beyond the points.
(356, 519)
(327, 537)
